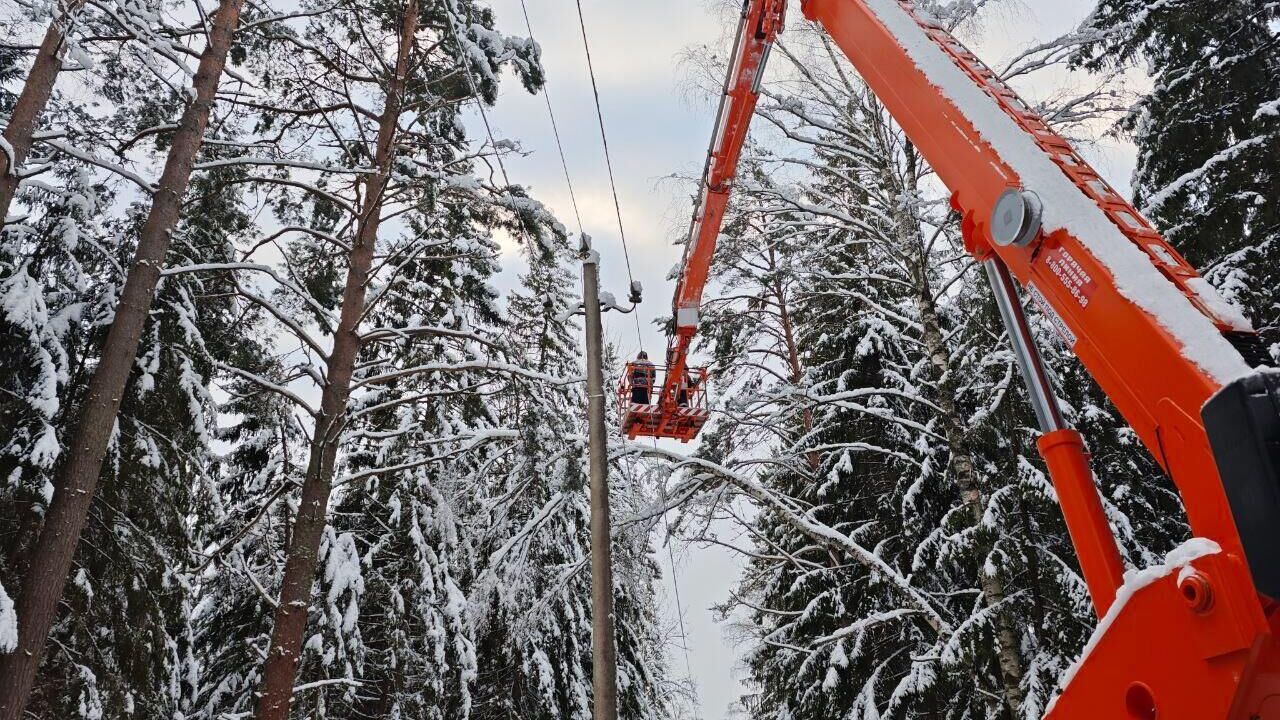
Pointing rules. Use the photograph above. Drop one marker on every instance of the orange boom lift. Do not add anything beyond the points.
(1194, 639)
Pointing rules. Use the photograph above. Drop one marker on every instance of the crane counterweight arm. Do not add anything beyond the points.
(1199, 643)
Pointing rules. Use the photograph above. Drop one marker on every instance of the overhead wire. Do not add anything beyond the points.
(484, 115)
(555, 129)
(626, 254)
(675, 585)
(608, 160)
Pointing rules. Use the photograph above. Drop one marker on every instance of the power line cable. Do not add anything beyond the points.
(564, 164)
(608, 160)
(484, 115)
(555, 129)
(675, 584)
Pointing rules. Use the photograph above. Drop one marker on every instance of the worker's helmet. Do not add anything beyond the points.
(642, 356)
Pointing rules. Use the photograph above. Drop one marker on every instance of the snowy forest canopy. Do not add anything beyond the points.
(275, 445)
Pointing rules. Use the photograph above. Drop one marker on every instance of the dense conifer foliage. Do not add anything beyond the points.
(1208, 134)
(326, 458)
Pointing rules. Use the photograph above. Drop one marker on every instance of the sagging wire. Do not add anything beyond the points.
(555, 129)
(675, 585)
(608, 160)
(564, 164)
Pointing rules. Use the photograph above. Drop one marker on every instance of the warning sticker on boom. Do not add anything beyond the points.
(1052, 315)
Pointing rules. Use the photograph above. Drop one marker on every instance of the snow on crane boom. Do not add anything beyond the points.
(1195, 638)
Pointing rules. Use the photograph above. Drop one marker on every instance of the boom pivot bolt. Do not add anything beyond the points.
(1197, 591)
(1016, 219)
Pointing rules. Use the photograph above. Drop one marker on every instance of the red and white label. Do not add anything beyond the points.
(1059, 325)
(1072, 275)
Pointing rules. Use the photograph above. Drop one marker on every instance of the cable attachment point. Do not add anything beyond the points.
(637, 292)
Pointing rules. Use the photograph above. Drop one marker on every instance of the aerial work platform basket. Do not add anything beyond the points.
(652, 404)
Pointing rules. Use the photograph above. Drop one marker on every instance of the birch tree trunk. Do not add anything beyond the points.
(31, 102)
(78, 477)
(962, 468)
(965, 475)
(284, 654)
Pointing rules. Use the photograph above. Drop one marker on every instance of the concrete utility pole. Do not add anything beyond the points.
(604, 661)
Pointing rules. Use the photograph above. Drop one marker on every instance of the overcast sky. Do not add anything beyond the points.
(655, 129)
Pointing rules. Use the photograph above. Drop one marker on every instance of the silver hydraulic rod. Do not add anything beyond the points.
(1043, 399)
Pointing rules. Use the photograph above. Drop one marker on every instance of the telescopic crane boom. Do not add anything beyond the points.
(758, 27)
(678, 411)
(1195, 639)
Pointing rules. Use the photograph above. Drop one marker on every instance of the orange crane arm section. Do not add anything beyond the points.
(1199, 640)
(760, 23)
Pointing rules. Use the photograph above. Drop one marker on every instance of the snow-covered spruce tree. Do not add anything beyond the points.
(808, 334)
(57, 231)
(241, 517)
(532, 599)
(120, 641)
(869, 451)
(123, 644)
(1208, 135)
(95, 421)
(399, 554)
(899, 420)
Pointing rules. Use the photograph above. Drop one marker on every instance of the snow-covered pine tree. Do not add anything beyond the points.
(876, 452)
(123, 645)
(393, 613)
(1208, 135)
(120, 642)
(96, 418)
(415, 353)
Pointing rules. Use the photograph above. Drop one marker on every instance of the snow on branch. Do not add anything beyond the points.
(266, 384)
(300, 164)
(146, 185)
(475, 440)
(815, 530)
(392, 333)
(324, 683)
(336, 200)
(257, 267)
(467, 366)
(863, 624)
(1162, 197)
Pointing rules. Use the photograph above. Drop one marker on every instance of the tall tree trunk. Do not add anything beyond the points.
(963, 470)
(281, 668)
(965, 475)
(78, 476)
(32, 101)
(793, 353)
